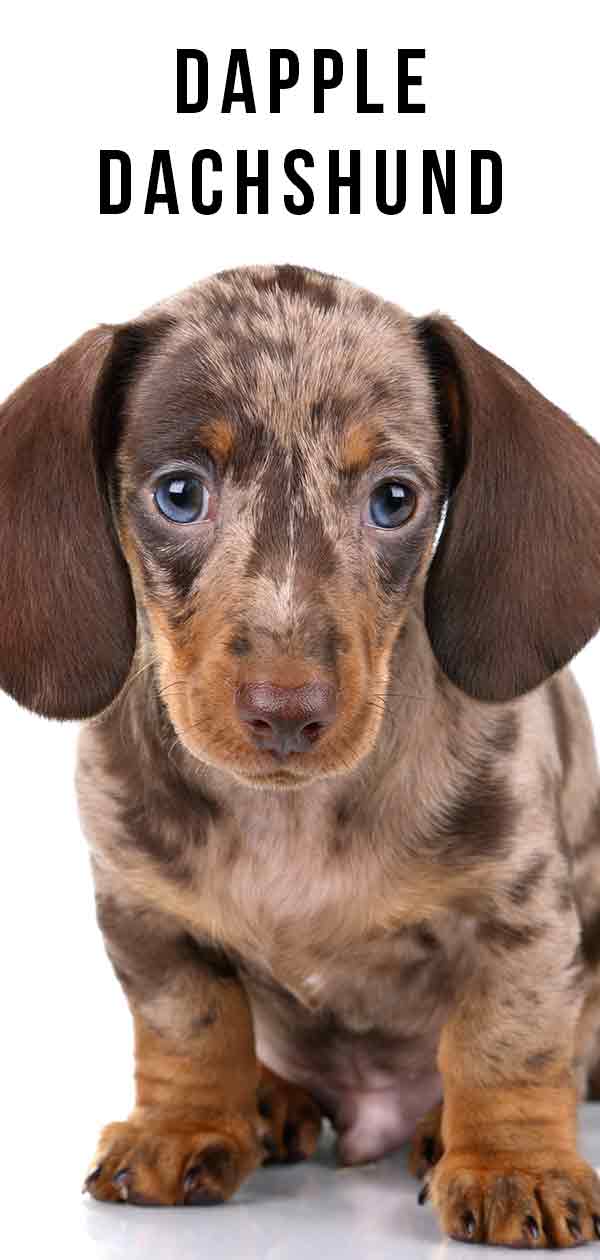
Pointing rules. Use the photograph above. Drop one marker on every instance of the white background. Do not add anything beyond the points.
(74, 78)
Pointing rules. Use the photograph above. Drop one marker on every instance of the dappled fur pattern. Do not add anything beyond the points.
(409, 907)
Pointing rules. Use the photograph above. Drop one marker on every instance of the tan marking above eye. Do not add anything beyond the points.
(218, 436)
(358, 445)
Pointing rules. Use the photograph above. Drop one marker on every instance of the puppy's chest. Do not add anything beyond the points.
(284, 889)
(322, 922)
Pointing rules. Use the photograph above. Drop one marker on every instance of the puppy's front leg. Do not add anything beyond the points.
(511, 1173)
(192, 1136)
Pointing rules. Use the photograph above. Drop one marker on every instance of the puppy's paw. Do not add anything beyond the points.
(426, 1147)
(529, 1201)
(290, 1120)
(155, 1162)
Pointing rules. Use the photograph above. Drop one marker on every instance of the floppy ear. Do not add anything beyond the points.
(67, 613)
(514, 587)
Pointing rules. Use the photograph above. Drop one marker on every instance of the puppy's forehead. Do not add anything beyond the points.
(285, 355)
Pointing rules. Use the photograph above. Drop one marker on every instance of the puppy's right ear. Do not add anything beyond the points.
(67, 612)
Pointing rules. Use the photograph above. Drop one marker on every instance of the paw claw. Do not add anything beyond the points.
(574, 1228)
(428, 1150)
(426, 1146)
(199, 1195)
(469, 1223)
(531, 1227)
(190, 1177)
(210, 1171)
(196, 1193)
(122, 1181)
(91, 1178)
(270, 1148)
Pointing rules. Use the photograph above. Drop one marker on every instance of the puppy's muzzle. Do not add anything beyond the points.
(284, 720)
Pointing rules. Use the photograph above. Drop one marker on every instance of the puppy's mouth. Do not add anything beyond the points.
(277, 778)
(279, 729)
(266, 769)
(236, 752)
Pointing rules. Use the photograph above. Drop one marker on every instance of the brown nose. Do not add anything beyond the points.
(286, 719)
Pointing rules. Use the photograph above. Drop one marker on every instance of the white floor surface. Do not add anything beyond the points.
(312, 1211)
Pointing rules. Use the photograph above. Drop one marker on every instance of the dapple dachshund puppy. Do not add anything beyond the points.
(341, 798)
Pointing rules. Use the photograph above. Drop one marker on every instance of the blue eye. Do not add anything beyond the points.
(392, 504)
(181, 499)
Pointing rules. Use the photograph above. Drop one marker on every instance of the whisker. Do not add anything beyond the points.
(406, 695)
(154, 660)
(179, 682)
(385, 712)
(138, 674)
(185, 731)
(129, 684)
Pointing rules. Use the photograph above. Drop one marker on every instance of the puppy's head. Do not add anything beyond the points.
(280, 478)
(260, 466)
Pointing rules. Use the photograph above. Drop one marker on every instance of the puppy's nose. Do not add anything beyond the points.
(286, 719)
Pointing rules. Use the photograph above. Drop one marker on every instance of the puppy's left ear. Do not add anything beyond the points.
(67, 613)
(513, 591)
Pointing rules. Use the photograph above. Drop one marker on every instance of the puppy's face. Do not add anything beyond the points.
(280, 483)
(253, 472)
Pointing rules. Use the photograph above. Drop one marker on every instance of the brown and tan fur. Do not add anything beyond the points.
(408, 908)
